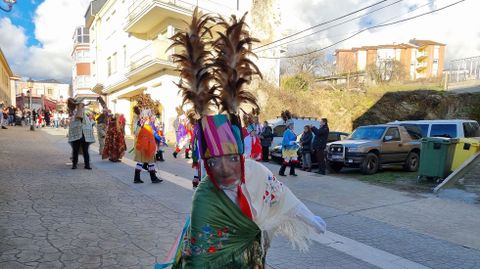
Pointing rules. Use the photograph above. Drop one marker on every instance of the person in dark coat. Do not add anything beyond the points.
(306, 148)
(266, 137)
(320, 143)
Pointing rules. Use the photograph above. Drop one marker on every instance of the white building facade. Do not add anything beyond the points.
(129, 52)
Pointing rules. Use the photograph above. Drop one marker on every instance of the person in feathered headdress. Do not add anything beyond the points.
(145, 144)
(239, 205)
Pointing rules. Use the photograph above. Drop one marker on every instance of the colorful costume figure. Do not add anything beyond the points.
(239, 205)
(145, 146)
(182, 137)
(80, 132)
(159, 139)
(290, 149)
(115, 145)
(253, 147)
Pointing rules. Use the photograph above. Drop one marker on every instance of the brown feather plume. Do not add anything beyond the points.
(192, 63)
(232, 66)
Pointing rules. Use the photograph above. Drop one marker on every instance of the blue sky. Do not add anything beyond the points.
(22, 15)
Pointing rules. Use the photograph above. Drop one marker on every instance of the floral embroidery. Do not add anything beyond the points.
(273, 187)
(209, 240)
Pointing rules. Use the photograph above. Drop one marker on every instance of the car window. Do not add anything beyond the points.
(444, 130)
(368, 133)
(333, 137)
(279, 130)
(415, 130)
(394, 133)
(471, 129)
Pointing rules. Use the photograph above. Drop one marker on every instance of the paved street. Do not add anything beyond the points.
(55, 217)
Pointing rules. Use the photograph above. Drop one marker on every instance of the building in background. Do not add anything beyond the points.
(128, 48)
(418, 59)
(46, 94)
(6, 76)
(81, 80)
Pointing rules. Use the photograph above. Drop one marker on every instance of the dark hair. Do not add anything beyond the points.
(308, 127)
(324, 120)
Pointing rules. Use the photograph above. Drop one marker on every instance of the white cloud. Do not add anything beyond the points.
(55, 22)
(452, 26)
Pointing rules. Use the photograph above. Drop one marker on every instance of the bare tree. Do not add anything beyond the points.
(312, 64)
(385, 71)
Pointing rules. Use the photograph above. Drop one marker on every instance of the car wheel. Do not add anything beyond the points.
(335, 166)
(412, 162)
(370, 164)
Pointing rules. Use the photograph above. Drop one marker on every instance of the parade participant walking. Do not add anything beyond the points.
(320, 143)
(289, 150)
(115, 145)
(306, 148)
(239, 205)
(266, 138)
(253, 147)
(181, 136)
(80, 132)
(102, 129)
(159, 138)
(145, 145)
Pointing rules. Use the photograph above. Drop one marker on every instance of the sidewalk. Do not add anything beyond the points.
(51, 215)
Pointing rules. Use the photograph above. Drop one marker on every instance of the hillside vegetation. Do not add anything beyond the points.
(347, 109)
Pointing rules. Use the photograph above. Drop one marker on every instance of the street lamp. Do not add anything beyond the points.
(30, 88)
(10, 4)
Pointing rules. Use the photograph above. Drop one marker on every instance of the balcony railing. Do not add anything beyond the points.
(154, 53)
(138, 7)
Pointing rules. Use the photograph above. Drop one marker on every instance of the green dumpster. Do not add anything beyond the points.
(436, 157)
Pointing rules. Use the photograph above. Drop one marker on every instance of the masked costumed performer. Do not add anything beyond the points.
(239, 204)
(145, 144)
(80, 132)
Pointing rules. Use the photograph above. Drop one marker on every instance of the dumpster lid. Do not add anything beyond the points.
(473, 141)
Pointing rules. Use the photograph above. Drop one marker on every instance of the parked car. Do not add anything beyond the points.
(444, 128)
(333, 136)
(368, 147)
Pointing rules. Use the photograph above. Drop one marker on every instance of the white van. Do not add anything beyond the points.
(278, 127)
(444, 128)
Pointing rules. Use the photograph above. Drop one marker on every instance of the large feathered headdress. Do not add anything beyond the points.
(214, 72)
(193, 64)
(232, 66)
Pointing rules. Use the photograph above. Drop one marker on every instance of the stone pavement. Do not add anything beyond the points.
(55, 217)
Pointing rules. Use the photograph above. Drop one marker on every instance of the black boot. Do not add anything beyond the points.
(187, 154)
(175, 154)
(137, 179)
(160, 155)
(282, 169)
(154, 177)
(292, 169)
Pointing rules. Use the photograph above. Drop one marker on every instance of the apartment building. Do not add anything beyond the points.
(5, 77)
(420, 59)
(47, 94)
(128, 50)
(81, 80)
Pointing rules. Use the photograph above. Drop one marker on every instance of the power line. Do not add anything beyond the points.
(363, 30)
(410, 11)
(330, 27)
(320, 24)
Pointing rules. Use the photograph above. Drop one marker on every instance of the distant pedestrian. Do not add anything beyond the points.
(320, 143)
(266, 137)
(306, 148)
(47, 115)
(11, 115)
